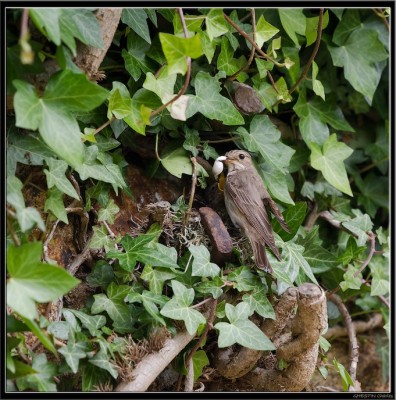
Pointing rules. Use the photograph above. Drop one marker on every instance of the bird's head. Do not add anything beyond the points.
(237, 160)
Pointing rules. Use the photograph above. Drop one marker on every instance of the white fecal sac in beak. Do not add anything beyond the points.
(218, 166)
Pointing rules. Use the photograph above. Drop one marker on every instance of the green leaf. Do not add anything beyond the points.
(210, 103)
(162, 85)
(109, 212)
(241, 330)
(380, 285)
(102, 275)
(177, 49)
(359, 225)
(56, 177)
(177, 162)
(40, 334)
(212, 287)
(264, 31)
(54, 203)
(201, 265)
(47, 20)
(156, 277)
(259, 303)
(314, 117)
(293, 257)
(350, 280)
(43, 379)
(363, 71)
(101, 239)
(208, 46)
(92, 322)
(345, 377)
(193, 23)
(225, 60)
(32, 281)
(244, 279)
(329, 160)
(215, 23)
(311, 29)
(69, 91)
(293, 21)
(136, 19)
(316, 84)
(350, 21)
(264, 138)
(60, 131)
(27, 106)
(74, 352)
(178, 308)
(294, 216)
(200, 360)
(115, 307)
(101, 360)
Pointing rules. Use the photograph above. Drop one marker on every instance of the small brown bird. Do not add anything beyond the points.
(245, 199)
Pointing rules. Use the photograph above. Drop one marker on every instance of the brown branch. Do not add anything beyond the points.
(313, 55)
(24, 24)
(188, 75)
(47, 240)
(248, 38)
(381, 14)
(11, 229)
(101, 127)
(371, 237)
(252, 52)
(375, 321)
(193, 186)
(353, 344)
(312, 217)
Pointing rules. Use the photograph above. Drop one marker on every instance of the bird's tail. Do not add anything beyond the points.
(261, 257)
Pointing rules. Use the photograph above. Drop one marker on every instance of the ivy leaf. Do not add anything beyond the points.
(215, 23)
(259, 303)
(101, 239)
(329, 160)
(244, 279)
(210, 103)
(212, 287)
(161, 85)
(200, 360)
(177, 49)
(359, 225)
(109, 212)
(114, 305)
(47, 20)
(225, 60)
(294, 216)
(92, 322)
(293, 21)
(136, 19)
(311, 29)
(70, 91)
(102, 275)
(316, 84)
(293, 257)
(177, 162)
(43, 379)
(208, 46)
(156, 277)
(32, 281)
(27, 106)
(201, 265)
(54, 203)
(350, 280)
(264, 31)
(241, 330)
(56, 177)
(74, 352)
(101, 360)
(178, 308)
(314, 117)
(362, 71)
(273, 151)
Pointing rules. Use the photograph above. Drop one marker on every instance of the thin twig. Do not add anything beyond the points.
(47, 240)
(272, 81)
(73, 267)
(353, 343)
(313, 55)
(111, 233)
(371, 237)
(248, 38)
(188, 74)
(12, 232)
(312, 217)
(24, 23)
(101, 127)
(383, 17)
(252, 52)
(201, 303)
(193, 186)
(189, 381)
(381, 297)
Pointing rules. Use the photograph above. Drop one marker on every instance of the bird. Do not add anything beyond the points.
(246, 200)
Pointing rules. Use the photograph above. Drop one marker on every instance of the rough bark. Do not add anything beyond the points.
(90, 58)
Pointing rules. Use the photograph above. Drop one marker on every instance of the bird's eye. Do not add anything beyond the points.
(241, 156)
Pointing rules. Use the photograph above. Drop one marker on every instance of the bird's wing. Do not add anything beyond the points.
(272, 205)
(252, 207)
